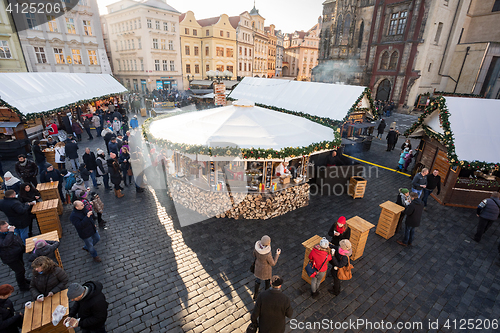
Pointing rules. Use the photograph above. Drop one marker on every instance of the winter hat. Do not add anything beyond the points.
(276, 281)
(345, 244)
(135, 116)
(75, 290)
(407, 150)
(341, 220)
(99, 152)
(6, 289)
(81, 194)
(404, 190)
(324, 243)
(47, 165)
(40, 243)
(79, 181)
(265, 240)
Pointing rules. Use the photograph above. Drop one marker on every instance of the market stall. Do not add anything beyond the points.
(459, 137)
(239, 161)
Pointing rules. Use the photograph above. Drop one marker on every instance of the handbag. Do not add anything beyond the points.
(344, 273)
(252, 266)
(129, 172)
(311, 271)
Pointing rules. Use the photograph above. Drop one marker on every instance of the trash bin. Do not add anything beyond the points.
(367, 143)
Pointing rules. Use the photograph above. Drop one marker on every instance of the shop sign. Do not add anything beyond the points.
(219, 88)
(356, 116)
(220, 99)
(268, 167)
(159, 85)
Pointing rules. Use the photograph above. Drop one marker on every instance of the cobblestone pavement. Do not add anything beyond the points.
(160, 278)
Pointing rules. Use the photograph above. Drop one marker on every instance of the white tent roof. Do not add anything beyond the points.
(241, 124)
(38, 92)
(318, 99)
(474, 123)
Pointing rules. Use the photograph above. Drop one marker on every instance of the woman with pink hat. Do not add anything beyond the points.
(264, 263)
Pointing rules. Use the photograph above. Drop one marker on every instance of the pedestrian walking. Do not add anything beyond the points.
(488, 211)
(76, 128)
(86, 125)
(44, 248)
(403, 200)
(125, 166)
(71, 152)
(96, 121)
(113, 146)
(91, 165)
(402, 158)
(134, 123)
(84, 174)
(272, 308)
(102, 168)
(392, 138)
(320, 256)
(413, 216)
(117, 125)
(90, 308)
(339, 231)
(10, 321)
(420, 182)
(98, 208)
(11, 252)
(60, 155)
(381, 128)
(26, 169)
(408, 160)
(11, 182)
(48, 279)
(82, 219)
(264, 263)
(17, 212)
(115, 174)
(340, 259)
(107, 134)
(39, 156)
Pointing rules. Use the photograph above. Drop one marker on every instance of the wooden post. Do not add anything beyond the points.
(359, 235)
(388, 220)
(47, 216)
(309, 245)
(357, 186)
(50, 191)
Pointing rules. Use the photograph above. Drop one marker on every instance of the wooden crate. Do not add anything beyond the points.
(357, 187)
(309, 245)
(50, 155)
(47, 216)
(388, 220)
(359, 234)
(50, 191)
(39, 317)
(49, 236)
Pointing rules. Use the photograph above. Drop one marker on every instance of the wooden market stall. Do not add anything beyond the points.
(462, 145)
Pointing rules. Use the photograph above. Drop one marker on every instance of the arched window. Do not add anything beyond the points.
(361, 31)
(394, 60)
(384, 60)
(338, 36)
(347, 26)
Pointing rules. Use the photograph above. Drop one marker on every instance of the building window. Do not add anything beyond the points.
(126, 26)
(496, 6)
(87, 29)
(249, 67)
(207, 51)
(129, 46)
(196, 50)
(186, 31)
(222, 33)
(173, 27)
(241, 50)
(59, 54)
(229, 53)
(188, 68)
(219, 51)
(163, 44)
(165, 26)
(249, 52)
(361, 31)
(240, 66)
(245, 51)
(31, 21)
(119, 65)
(197, 69)
(398, 23)
(92, 57)
(195, 32)
(142, 65)
(165, 65)
(135, 64)
(139, 46)
(155, 43)
(394, 60)
(5, 50)
(171, 45)
(70, 26)
(40, 55)
(157, 24)
(150, 25)
(135, 24)
(133, 44)
(51, 21)
(207, 33)
(228, 34)
(172, 66)
(384, 60)
(77, 57)
(229, 69)
(438, 32)
(207, 68)
(220, 68)
(186, 50)
(157, 65)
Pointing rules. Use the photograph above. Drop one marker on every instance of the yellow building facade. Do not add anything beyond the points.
(11, 53)
(192, 57)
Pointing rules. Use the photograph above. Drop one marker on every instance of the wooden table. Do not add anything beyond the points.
(309, 245)
(50, 191)
(39, 317)
(50, 156)
(359, 235)
(389, 218)
(47, 216)
(49, 236)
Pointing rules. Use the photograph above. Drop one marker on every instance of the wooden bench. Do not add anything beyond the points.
(47, 216)
(50, 191)
(39, 317)
(49, 236)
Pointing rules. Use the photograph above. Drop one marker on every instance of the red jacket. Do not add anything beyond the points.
(318, 257)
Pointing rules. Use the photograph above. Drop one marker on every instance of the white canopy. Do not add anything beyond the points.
(39, 92)
(474, 123)
(241, 124)
(318, 99)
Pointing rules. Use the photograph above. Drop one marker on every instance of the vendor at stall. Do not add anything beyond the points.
(282, 169)
(333, 159)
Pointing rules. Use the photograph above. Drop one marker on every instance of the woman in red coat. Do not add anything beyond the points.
(320, 256)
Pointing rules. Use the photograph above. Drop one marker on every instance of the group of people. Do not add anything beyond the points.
(384, 107)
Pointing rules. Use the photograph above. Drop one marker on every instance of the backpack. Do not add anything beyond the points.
(70, 181)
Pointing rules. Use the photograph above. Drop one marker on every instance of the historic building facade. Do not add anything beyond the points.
(280, 52)
(244, 43)
(271, 51)
(11, 53)
(261, 42)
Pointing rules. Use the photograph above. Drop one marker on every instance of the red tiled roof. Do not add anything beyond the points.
(183, 15)
(208, 21)
(234, 20)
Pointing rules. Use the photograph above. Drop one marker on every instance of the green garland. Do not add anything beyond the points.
(31, 116)
(246, 153)
(446, 139)
(449, 94)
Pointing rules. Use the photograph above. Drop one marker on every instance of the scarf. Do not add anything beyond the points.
(340, 230)
(24, 163)
(343, 252)
(12, 179)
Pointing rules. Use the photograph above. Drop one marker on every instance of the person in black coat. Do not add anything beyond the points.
(84, 223)
(26, 169)
(10, 321)
(339, 231)
(28, 193)
(55, 175)
(48, 278)
(404, 201)
(488, 211)
(11, 254)
(44, 248)
(339, 259)
(115, 174)
(392, 138)
(39, 156)
(433, 181)
(91, 165)
(381, 128)
(71, 150)
(271, 308)
(413, 216)
(17, 212)
(89, 305)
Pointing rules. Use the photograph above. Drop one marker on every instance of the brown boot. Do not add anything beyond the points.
(97, 259)
(119, 194)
